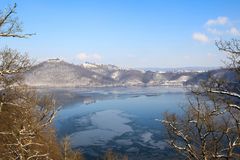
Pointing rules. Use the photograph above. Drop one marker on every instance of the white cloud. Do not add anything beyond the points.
(234, 31)
(96, 57)
(82, 56)
(200, 37)
(215, 31)
(89, 57)
(218, 21)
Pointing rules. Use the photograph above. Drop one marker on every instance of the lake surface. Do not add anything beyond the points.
(125, 120)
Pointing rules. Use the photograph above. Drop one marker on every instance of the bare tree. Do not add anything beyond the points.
(209, 127)
(26, 131)
(10, 25)
(232, 48)
(110, 155)
(68, 153)
(25, 119)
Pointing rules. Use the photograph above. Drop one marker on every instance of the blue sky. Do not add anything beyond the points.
(127, 33)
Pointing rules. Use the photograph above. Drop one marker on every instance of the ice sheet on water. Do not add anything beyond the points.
(107, 125)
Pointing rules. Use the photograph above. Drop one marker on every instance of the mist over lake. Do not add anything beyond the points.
(125, 120)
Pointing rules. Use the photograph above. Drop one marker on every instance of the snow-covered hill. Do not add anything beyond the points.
(58, 73)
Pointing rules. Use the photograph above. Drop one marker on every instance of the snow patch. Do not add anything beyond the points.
(89, 65)
(183, 78)
(115, 75)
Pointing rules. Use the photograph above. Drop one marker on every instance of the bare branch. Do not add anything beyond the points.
(16, 35)
(225, 93)
(9, 25)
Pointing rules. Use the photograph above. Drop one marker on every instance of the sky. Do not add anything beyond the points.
(126, 33)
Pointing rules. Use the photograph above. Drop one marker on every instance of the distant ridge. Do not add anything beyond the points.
(58, 73)
(179, 69)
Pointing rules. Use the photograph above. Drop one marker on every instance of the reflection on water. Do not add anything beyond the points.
(122, 119)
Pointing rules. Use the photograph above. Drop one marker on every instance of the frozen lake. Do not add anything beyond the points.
(121, 119)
